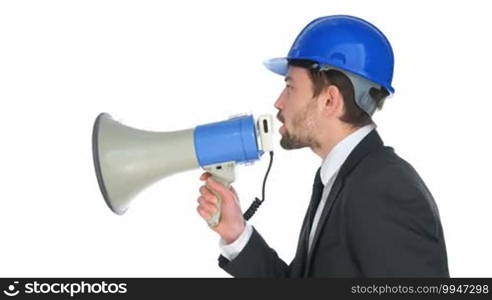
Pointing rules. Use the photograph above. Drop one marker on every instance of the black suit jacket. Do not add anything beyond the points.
(379, 220)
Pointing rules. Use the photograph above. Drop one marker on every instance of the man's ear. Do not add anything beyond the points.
(331, 101)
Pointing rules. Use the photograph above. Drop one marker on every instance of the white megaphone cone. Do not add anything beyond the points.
(127, 160)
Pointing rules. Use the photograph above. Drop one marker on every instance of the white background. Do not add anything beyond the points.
(163, 65)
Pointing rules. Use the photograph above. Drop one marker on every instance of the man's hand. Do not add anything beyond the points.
(231, 223)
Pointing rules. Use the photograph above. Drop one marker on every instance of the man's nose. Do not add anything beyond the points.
(279, 104)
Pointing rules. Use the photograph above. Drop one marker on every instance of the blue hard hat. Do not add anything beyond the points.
(344, 42)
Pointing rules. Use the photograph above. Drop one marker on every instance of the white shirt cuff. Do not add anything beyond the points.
(232, 250)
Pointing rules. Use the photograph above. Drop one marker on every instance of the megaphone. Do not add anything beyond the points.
(128, 160)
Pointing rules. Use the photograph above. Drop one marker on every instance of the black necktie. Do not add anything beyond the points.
(302, 247)
(311, 211)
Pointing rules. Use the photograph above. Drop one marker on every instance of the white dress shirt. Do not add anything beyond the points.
(329, 170)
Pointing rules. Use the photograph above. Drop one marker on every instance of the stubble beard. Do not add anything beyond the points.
(304, 138)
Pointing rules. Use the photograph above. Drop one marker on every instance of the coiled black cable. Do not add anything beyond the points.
(257, 202)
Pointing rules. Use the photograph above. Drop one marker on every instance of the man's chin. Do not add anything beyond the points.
(288, 143)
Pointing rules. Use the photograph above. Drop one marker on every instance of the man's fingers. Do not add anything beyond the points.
(205, 176)
(205, 215)
(206, 210)
(207, 200)
(204, 191)
(218, 188)
(226, 194)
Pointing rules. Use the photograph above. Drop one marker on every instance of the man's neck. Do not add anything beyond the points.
(329, 139)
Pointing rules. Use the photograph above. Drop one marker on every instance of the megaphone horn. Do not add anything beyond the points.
(127, 160)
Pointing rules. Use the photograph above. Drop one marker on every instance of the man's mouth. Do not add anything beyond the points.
(280, 118)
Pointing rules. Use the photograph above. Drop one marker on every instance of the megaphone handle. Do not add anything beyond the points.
(215, 218)
(224, 174)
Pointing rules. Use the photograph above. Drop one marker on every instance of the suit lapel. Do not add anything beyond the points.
(299, 262)
(370, 143)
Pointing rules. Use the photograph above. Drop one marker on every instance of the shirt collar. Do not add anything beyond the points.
(337, 156)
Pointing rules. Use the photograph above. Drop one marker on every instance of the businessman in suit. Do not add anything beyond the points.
(370, 213)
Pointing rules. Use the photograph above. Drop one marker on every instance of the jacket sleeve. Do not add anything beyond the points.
(257, 259)
(393, 227)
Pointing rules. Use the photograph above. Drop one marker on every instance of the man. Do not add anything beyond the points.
(370, 213)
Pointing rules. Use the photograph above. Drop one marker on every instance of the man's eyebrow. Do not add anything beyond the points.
(287, 78)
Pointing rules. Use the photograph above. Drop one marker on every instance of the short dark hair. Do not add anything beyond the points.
(321, 79)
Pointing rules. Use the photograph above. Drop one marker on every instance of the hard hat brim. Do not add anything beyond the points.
(278, 65)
